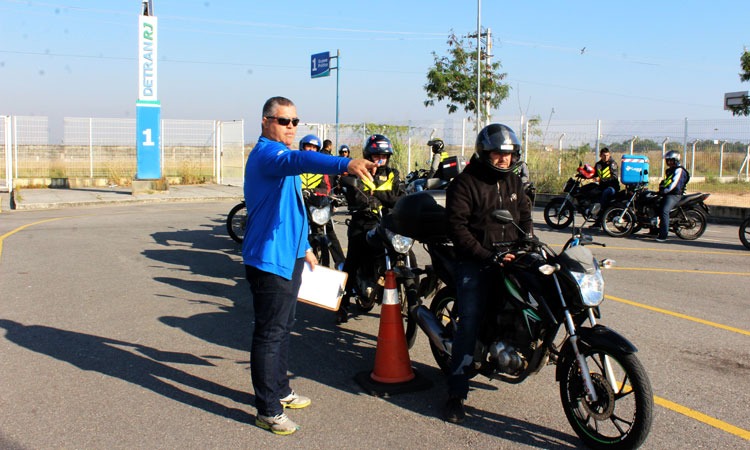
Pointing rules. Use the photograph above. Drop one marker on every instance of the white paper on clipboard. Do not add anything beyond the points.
(322, 287)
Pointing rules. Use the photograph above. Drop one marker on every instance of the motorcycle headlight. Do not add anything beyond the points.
(321, 216)
(592, 287)
(401, 244)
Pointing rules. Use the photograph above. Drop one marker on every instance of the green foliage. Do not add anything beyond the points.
(744, 109)
(453, 78)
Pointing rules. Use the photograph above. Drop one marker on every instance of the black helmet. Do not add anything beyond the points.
(310, 139)
(437, 145)
(500, 138)
(344, 148)
(673, 155)
(377, 144)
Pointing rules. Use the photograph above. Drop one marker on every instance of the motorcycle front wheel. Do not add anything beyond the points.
(236, 222)
(692, 226)
(443, 306)
(320, 250)
(622, 414)
(558, 213)
(618, 221)
(745, 233)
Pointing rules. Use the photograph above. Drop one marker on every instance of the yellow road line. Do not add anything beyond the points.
(12, 232)
(716, 423)
(675, 250)
(654, 269)
(679, 315)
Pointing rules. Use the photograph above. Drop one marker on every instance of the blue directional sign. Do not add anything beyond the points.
(148, 136)
(320, 65)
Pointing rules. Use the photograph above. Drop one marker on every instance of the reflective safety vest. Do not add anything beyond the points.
(386, 185)
(311, 180)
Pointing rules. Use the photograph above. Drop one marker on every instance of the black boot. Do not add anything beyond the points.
(454, 410)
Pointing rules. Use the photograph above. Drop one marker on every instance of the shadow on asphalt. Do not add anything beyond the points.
(120, 359)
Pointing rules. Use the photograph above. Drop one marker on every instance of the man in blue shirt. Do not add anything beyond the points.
(275, 249)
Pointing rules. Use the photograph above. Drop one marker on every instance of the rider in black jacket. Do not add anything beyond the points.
(368, 201)
(488, 183)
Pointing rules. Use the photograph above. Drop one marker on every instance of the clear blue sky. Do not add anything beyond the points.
(223, 59)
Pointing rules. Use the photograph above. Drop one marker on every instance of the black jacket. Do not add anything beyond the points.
(470, 199)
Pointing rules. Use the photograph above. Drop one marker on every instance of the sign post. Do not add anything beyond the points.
(147, 107)
(320, 66)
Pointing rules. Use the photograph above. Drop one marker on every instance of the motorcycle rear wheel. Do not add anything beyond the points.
(692, 226)
(443, 306)
(622, 415)
(618, 221)
(558, 213)
(745, 233)
(236, 222)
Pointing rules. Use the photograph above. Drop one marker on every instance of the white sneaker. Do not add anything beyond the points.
(279, 424)
(295, 401)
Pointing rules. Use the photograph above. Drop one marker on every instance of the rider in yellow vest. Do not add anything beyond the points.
(321, 184)
(367, 201)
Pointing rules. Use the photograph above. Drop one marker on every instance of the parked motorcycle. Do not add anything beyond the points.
(745, 233)
(544, 310)
(319, 211)
(578, 197)
(237, 221)
(389, 251)
(688, 219)
(418, 180)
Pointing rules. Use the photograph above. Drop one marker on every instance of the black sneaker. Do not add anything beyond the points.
(454, 410)
(342, 315)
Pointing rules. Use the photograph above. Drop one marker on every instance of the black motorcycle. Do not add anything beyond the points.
(319, 211)
(237, 221)
(688, 219)
(745, 233)
(578, 197)
(419, 180)
(544, 310)
(389, 251)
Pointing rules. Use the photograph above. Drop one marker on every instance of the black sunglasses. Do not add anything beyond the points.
(284, 121)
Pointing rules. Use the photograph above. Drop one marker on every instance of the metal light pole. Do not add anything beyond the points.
(479, 64)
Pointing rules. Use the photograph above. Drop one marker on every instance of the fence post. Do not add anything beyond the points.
(632, 143)
(684, 141)
(598, 138)
(721, 159)
(8, 153)
(91, 148)
(559, 160)
(463, 135)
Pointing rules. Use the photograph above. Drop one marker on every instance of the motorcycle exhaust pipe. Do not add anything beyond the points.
(431, 327)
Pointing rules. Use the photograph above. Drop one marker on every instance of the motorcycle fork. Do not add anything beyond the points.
(583, 366)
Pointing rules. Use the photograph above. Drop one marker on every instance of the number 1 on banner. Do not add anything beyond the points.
(147, 134)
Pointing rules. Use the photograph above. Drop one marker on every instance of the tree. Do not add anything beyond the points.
(744, 109)
(453, 78)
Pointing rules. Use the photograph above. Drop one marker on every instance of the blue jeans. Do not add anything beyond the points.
(667, 203)
(274, 301)
(606, 197)
(473, 281)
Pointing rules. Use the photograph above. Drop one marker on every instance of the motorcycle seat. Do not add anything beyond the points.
(690, 198)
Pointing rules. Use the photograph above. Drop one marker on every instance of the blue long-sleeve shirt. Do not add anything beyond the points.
(277, 228)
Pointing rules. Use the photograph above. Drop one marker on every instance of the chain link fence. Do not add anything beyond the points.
(715, 151)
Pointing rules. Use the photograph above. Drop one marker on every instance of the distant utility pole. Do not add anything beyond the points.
(484, 51)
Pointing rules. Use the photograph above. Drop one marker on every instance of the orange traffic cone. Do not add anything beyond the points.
(393, 372)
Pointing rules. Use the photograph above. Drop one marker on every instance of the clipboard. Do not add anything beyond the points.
(322, 287)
